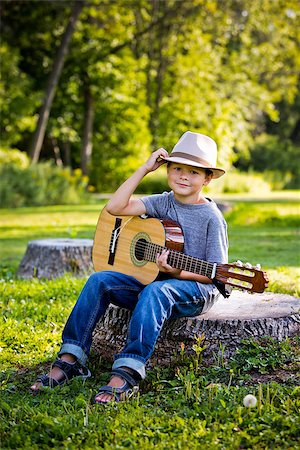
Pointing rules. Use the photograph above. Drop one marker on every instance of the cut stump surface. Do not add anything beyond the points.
(229, 321)
(51, 258)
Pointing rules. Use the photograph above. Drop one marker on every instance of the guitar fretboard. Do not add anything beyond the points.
(177, 260)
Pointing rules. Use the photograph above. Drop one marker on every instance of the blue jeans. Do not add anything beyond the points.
(151, 306)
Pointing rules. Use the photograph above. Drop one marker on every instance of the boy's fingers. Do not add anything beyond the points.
(162, 153)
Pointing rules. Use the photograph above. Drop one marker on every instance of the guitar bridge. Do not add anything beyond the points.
(114, 241)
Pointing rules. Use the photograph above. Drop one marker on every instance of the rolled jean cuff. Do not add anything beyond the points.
(132, 363)
(74, 350)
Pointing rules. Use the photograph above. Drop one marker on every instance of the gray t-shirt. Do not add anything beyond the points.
(203, 225)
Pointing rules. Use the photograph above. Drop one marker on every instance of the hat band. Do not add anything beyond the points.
(191, 157)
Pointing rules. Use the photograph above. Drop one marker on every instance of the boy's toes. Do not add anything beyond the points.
(35, 387)
(103, 398)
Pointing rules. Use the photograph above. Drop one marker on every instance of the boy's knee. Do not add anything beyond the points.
(157, 293)
(96, 280)
(99, 276)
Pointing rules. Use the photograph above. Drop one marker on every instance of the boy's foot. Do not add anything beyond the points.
(104, 397)
(62, 370)
(121, 386)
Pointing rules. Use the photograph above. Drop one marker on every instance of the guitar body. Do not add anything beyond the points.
(131, 230)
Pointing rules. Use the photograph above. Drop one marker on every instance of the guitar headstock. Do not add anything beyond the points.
(243, 276)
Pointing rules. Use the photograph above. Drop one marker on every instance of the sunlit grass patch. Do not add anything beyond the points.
(61, 215)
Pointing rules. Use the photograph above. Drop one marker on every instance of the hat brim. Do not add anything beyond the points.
(217, 173)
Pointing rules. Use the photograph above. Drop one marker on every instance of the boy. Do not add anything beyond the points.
(174, 293)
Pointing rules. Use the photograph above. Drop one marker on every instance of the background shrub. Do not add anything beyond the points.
(275, 157)
(14, 156)
(39, 184)
(154, 182)
(237, 182)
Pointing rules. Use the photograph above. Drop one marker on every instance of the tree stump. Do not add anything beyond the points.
(51, 258)
(225, 325)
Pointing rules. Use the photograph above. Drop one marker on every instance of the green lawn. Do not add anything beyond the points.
(189, 405)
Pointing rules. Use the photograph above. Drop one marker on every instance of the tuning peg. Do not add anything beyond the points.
(248, 265)
(258, 266)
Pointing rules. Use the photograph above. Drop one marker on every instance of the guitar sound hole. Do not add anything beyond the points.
(139, 250)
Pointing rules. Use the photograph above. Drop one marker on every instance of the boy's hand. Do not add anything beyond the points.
(154, 160)
(162, 264)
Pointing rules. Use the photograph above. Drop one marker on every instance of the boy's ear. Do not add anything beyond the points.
(208, 179)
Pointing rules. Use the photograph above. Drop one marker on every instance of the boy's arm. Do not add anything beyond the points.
(121, 202)
(184, 275)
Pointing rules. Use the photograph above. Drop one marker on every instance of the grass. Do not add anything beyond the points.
(188, 405)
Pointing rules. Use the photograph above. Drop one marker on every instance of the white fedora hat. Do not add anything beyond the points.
(198, 150)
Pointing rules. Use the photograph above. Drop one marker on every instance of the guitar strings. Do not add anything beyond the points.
(182, 261)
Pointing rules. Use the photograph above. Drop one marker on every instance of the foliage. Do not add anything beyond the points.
(214, 80)
(18, 99)
(122, 137)
(154, 70)
(238, 182)
(261, 356)
(15, 157)
(41, 184)
(275, 154)
(154, 182)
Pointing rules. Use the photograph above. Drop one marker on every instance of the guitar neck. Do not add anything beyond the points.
(180, 261)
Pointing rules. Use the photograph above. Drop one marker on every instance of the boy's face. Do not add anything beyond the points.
(187, 181)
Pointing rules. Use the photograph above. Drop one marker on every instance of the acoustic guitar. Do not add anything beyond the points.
(129, 244)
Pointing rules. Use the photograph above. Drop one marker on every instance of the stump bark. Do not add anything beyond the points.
(242, 316)
(51, 258)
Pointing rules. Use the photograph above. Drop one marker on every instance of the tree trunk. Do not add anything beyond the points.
(157, 63)
(67, 153)
(224, 326)
(56, 151)
(87, 143)
(52, 83)
(51, 258)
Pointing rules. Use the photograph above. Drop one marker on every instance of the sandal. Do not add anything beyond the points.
(69, 371)
(129, 388)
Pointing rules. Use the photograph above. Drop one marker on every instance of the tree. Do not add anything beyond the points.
(52, 83)
(141, 72)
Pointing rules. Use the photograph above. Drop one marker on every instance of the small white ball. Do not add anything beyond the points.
(250, 401)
